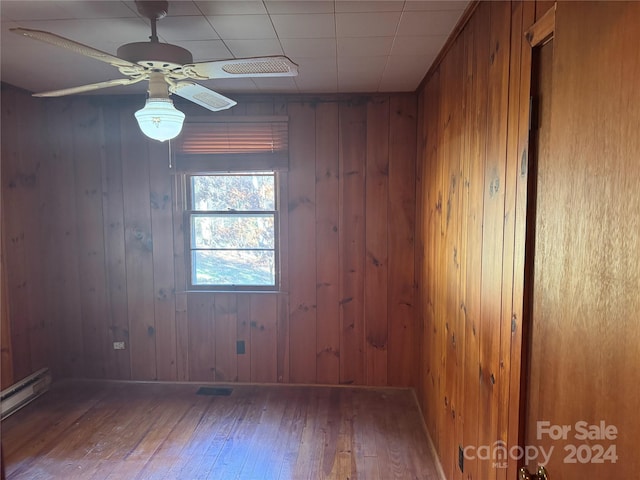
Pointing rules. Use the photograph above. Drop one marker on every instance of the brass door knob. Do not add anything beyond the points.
(541, 474)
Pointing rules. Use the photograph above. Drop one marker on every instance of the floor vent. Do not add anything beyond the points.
(25, 391)
(215, 391)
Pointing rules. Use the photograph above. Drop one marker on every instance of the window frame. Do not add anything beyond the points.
(189, 213)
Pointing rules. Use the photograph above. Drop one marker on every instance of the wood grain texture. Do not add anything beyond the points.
(119, 271)
(586, 266)
(163, 431)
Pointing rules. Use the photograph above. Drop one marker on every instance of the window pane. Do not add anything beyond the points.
(233, 267)
(232, 231)
(233, 192)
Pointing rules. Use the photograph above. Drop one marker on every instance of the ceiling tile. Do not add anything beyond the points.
(367, 24)
(418, 45)
(94, 32)
(235, 7)
(428, 23)
(343, 6)
(297, 6)
(317, 75)
(230, 85)
(404, 73)
(433, 5)
(349, 67)
(275, 84)
(174, 29)
(34, 10)
(204, 50)
(319, 25)
(243, 27)
(254, 48)
(364, 46)
(309, 47)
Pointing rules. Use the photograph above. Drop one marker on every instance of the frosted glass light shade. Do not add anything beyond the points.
(159, 119)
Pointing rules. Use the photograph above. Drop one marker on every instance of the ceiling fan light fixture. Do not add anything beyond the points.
(159, 119)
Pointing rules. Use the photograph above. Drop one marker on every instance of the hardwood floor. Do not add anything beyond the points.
(117, 430)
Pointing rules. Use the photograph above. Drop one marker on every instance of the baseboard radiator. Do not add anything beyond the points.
(25, 391)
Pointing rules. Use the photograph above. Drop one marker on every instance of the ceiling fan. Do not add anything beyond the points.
(168, 69)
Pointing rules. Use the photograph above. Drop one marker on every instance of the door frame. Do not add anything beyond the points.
(531, 35)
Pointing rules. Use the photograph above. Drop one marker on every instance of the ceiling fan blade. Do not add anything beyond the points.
(202, 96)
(278, 66)
(90, 87)
(53, 39)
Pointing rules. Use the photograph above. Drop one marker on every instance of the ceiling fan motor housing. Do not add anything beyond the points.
(157, 56)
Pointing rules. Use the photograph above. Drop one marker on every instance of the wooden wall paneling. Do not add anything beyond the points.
(201, 337)
(225, 320)
(352, 154)
(182, 337)
(327, 245)
(138, 248)
(282, 347)
(6, 351)
(420, 250)
(243, 332)
(517, 132)
(431, 233)
(264, 361)
(302, 243)
(118, 364)
(451, 114)
(401, 238)
(478, 52)
(180, 276)
(493, 241)
(88, 152)
(283, 297)
(61, 269)
(377, 231)
(13, 193)
(160, 190)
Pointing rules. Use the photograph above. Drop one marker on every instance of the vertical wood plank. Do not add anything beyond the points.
(302, 244)
(182, 337)
(378, 229)
(160, 187)
(327, 245)
(352, 141)
(88, 149)
(6, 351)
(478, 49)
(139, 249)
(226, 320)
(119, 361)
(402, 152)
(243, 305)
(63, 292)
(201, 337)
(263, 338)
(493, 240)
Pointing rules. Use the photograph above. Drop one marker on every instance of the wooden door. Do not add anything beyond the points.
(583, 395)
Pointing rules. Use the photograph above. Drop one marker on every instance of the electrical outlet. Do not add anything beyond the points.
(118, 345)
(240, 347)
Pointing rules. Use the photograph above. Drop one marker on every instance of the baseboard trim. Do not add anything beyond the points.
(432, 447)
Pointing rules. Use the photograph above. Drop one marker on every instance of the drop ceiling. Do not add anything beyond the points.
(340, 46)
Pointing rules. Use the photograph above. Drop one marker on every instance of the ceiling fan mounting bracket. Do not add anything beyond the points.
(151, 9)
(156, 56)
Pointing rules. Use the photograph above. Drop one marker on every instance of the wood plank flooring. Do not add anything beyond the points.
(125, 430)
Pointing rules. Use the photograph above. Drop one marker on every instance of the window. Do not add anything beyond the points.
(233, 231)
